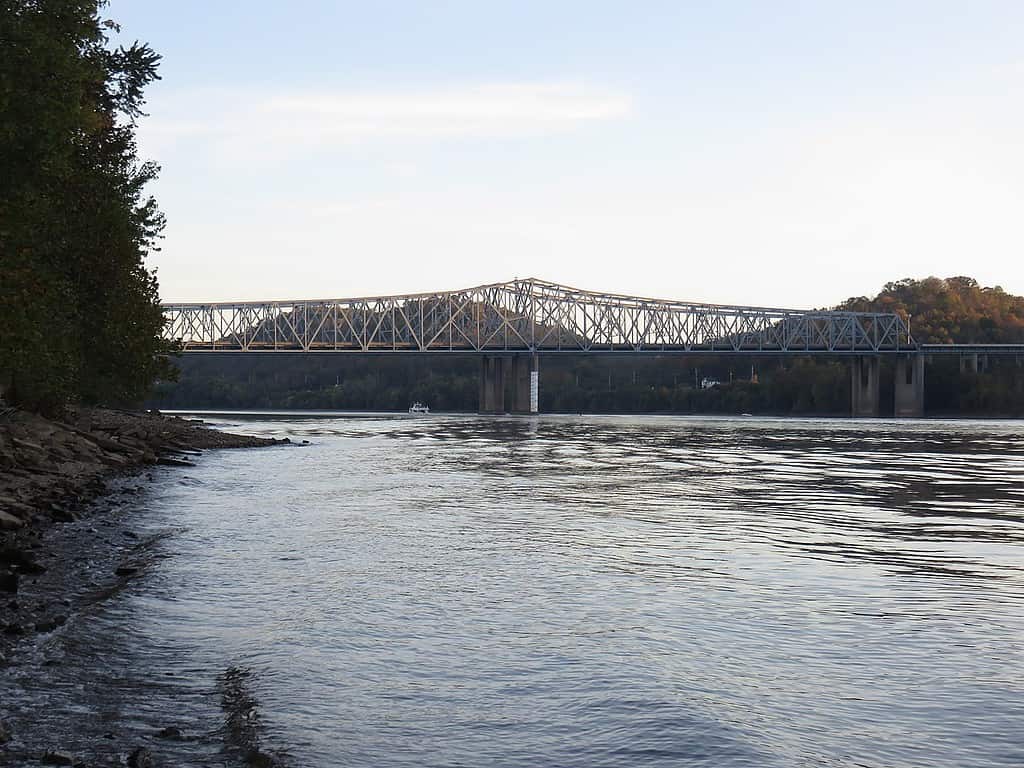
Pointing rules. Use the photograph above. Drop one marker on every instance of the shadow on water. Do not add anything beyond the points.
(243, 727)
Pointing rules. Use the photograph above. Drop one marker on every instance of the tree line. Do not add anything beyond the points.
(955, 309)
(80, 316)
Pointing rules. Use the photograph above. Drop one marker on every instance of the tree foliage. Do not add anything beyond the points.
(954, 309)
(80, 313)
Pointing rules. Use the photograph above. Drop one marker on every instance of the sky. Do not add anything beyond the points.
(777, 153)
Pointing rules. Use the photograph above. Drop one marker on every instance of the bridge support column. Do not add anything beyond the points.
(909, 395)
(492, 384)
(525, 383)
(864, 386)
(969, 362)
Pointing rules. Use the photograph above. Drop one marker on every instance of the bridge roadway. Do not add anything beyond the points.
(510, 324)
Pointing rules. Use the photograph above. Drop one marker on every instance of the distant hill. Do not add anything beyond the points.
(954, 309)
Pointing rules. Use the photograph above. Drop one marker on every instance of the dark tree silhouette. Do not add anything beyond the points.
(79, 311)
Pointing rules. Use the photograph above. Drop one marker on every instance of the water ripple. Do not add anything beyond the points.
(451, 591)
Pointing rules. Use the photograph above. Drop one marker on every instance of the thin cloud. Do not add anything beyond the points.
(323, 116)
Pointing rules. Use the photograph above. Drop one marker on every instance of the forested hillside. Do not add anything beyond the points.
(79, 311)
(956, 309)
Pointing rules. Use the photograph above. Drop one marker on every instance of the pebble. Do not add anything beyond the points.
(48, 625)
(58, 758)
(259, 759)
(140, 758)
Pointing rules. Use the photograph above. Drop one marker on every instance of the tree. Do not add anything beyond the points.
(79, 311)
(955, 309)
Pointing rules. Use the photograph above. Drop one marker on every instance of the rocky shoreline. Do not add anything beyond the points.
(49, 466)
(66, 532)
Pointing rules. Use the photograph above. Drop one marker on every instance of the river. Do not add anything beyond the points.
(564, 591)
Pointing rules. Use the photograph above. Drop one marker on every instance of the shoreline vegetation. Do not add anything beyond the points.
(79, 307)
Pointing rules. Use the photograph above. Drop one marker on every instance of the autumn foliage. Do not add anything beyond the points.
(950, 310)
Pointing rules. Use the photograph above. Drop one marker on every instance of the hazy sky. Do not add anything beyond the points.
(780, 153)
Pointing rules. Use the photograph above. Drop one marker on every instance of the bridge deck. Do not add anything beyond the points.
(966, 349)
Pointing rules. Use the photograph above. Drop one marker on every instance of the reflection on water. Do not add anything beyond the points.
(576, 591)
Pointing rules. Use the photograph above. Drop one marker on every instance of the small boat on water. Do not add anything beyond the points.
(418, 407)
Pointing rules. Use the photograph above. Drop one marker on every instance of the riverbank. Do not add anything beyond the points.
(70, 491)
(50, 474)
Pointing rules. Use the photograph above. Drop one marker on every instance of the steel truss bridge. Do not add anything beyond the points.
(527, 316)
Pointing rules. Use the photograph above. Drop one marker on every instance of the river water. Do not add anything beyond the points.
(562, 591)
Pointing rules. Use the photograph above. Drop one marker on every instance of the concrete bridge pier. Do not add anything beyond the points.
(492, 384)
(909, 394)
(525, 383)
(864, 386)
(520, 373)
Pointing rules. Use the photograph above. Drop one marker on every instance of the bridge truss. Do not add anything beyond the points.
(526, 315)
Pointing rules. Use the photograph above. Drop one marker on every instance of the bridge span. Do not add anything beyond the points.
(509, 325)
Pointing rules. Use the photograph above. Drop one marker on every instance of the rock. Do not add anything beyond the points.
(126, 570)
(140, 758)
(20, 559)
(48, 625)
(169, 462)
(259, 759)
(31, 566)
(8, 581)
(62, 514)
(58, 758)
(10, 522)
(5, 734)
(14, 628)
(28, 445)
(170, 732)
